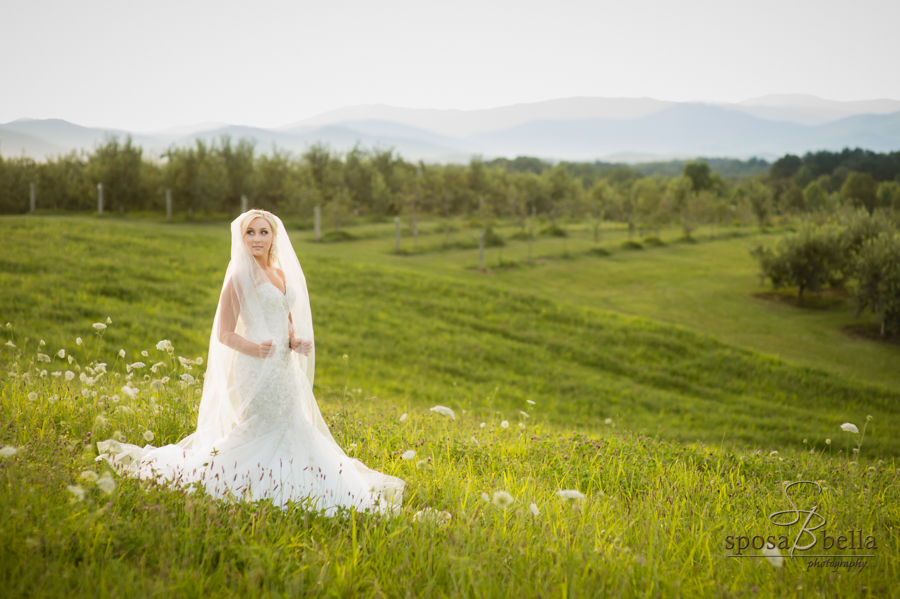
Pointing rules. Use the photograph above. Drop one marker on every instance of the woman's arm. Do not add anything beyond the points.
(230, 305)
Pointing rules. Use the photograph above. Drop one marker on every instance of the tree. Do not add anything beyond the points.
(860, 189)
(814, 196)
(888, 195)
(785, 167)
(878, 280)
(760, 199)
(809, 260)
(700, 175)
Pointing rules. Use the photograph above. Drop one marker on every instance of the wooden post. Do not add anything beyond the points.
(317, 222)
(33, 205)
(99, 198)
(168, 204)
(397, 234)
(244, 204)
(531, 230)
(481, 250)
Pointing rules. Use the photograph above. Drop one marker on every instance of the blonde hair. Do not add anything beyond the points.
(250, 216)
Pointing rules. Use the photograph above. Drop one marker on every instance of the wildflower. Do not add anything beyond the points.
(106, 484)
(165, 345)
(608, 421)
(502, 499)
(432, 515)
(421, 464)
(62, 353)
(108, 320)
(131, 393)
(89, 476)
(504, 424)
(11, 344)
(408, 455)
(528, 401)
(534, 510)
(70, 358)
(43, 374)
(474, 441)
(138, 365)
(521, 425)
(43, 358)
(77, 340)
(353, 446)
(199, 361)
(43, 343)
(524, 414)
(827, 441)
(100, 421)
(70, 375)
(444, 411)
(157, 385)
(83, 377)
(8, 451)
(186, 363)
(773, 556)
(122, 353)
(145, 353)
(77, 491)
(188, 379)
(8, 325)
(403, 417)
(99, 326)
(771, 453)
(482, 425)
(156, 366)
(849, 428)
(346, 357)
(53, 398)
(485, 497)
(148, 436)
(570, 494)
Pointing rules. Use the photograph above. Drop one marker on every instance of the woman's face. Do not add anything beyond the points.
(259, 238)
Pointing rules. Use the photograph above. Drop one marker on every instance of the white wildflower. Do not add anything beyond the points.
(77, 340)
(11, 344)
(83, 377)
(70, 375)
(42, 343)
(145, 353)
(188, 379)
(62, 353)
(403, 417)
(108, 320)
(43, 358)
(570, 494)
(773, 556)
(122, 353)
(524, 414)
(528, 401)
(156, 366)
(43, 374)
(444, 411)
(482, 425)
(8, 451)
(504, 424)
(138, 365)
(89, 476)
(486, 497)
(70, 359)
(32, 396)
(199, 361)
(99, 326)
(148, 436)
(408, 455)
(132, 393)
(77, 492)
(474, 441)
(534, 510)
(53, 398)
(57, 373)
(771, 453)
(849, 428)
(165, 345)
(502, 499)
(106, 484)
(421, 464)
(100, 421)
(608, 421)
(157, 385)
(827, 441)
(521, 425)
(432, 515)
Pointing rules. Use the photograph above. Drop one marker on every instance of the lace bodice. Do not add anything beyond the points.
(272, 321)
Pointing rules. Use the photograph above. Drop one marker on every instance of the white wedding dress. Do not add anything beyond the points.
(279, 447)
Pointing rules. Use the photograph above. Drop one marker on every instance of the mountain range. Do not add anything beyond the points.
(621, 129)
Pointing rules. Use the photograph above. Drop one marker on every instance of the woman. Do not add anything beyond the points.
(259, 432)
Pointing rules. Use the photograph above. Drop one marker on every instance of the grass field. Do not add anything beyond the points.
(696, 403)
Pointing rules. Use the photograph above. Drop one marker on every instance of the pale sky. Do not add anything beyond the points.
(150, 65)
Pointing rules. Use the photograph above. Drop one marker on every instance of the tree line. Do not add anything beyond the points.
(211, 179)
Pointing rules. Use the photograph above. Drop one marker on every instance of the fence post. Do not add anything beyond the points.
(481, 250)
(99, 198)
(397, 234)
(168, 204)
(317, 222)
(244, 204)
(33, 204)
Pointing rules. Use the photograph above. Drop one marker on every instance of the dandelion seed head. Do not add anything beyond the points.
(409, 454)
(32, 396)
(502, 499)
(106, 484)
(8, 451)
(148, 436)
(504, 424)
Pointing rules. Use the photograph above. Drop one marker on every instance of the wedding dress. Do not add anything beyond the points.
(260, 433)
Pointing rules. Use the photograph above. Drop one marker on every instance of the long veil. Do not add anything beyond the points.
(239, 303)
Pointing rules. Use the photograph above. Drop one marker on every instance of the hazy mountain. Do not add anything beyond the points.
(464, 123)
(622, 129)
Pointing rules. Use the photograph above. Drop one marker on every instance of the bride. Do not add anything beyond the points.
(259, 431)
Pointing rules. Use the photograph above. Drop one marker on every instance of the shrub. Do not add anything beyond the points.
(492, 239)
(337, 236)
(554, 231)
(631, 245)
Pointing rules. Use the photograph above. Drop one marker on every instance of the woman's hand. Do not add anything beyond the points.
(266, 348)
(300, 346)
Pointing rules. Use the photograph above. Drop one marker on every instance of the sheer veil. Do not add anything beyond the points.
(239, 303)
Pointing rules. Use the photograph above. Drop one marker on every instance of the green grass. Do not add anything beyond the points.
(685, 460)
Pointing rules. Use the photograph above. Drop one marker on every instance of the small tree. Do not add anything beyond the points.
(809, 260)
(878, 280)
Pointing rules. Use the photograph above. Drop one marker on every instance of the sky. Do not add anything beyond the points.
(145, 66)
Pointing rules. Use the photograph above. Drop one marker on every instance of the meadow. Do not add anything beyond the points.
(651, 381)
